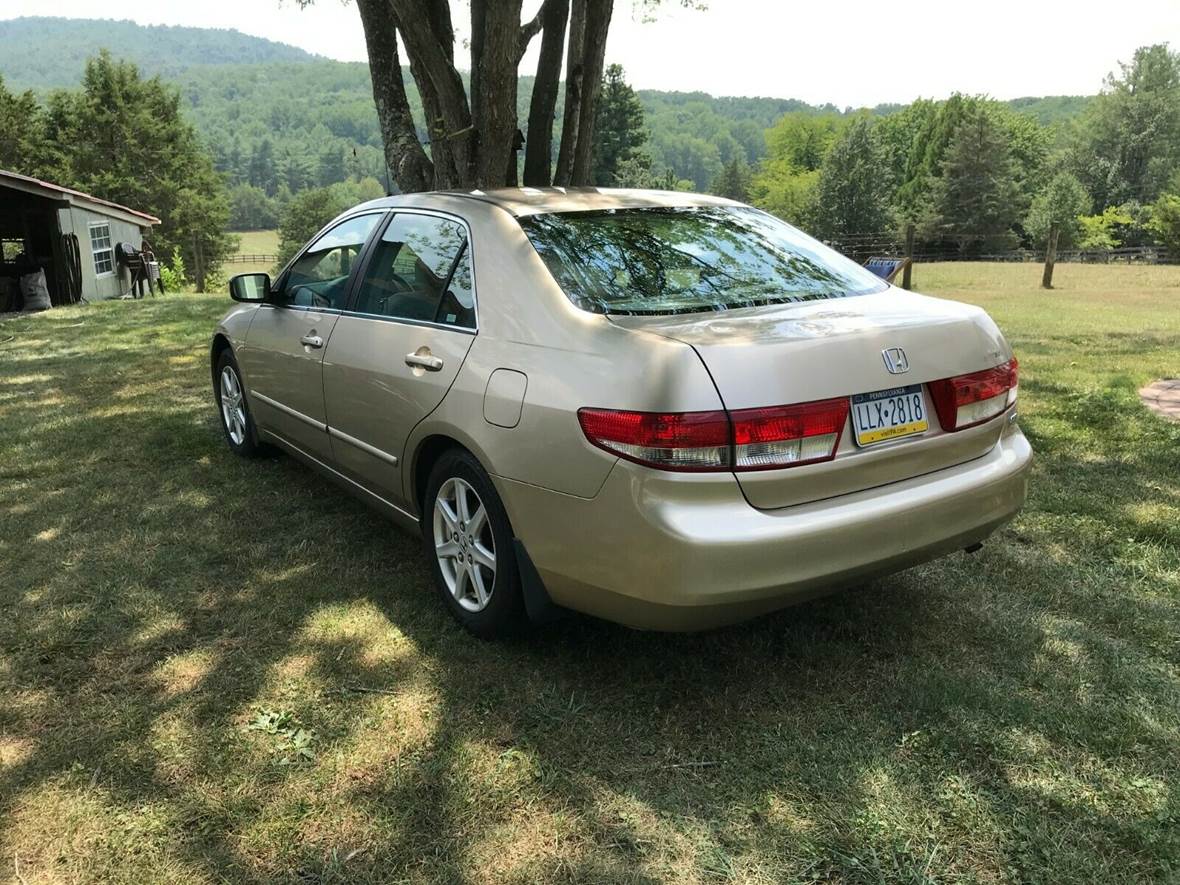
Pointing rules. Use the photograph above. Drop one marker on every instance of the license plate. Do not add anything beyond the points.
(886, 415)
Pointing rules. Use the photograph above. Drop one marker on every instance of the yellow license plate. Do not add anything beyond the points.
(886, 415)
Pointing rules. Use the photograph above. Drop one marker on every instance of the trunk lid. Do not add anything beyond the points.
(795, 353)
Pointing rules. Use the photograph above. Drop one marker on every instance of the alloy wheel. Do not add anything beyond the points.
(233, 406)
(464, 544)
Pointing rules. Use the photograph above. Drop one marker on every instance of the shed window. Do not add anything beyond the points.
(100, 247)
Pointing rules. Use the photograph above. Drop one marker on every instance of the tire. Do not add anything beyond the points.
(487, 601)
(236, 423)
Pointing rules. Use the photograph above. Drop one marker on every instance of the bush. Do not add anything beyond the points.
(172, 273)
(1165, 223)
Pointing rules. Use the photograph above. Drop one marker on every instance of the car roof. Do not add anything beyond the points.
(524, 201)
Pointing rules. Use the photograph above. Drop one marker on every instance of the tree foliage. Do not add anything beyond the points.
(1165, 222)
(303, 217)
(1128, 144)
(24, 142)
(1102, 232)
(1059, 204)
(620, 132)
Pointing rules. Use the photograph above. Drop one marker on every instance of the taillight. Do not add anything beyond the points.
(672, 441)
(967, 400)
(787, 436)
(750, 439)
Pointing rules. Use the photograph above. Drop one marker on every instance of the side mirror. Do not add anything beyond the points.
(251, 288)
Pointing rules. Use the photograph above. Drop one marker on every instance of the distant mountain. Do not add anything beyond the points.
(277, 116)
(41, 52)
(1050, 110)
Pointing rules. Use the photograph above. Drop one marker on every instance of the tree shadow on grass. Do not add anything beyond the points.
(1008, 715)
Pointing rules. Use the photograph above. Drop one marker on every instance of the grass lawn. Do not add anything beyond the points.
(213, 669)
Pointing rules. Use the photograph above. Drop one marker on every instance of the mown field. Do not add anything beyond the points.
(219, 670)
(254, 242)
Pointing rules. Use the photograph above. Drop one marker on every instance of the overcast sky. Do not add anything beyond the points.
(819, 52)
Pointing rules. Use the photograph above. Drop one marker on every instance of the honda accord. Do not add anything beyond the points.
(669, 410)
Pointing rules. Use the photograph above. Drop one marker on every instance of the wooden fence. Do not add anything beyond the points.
(245, 258)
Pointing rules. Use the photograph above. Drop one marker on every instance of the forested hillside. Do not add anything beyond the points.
(278, 118)
(43, 53)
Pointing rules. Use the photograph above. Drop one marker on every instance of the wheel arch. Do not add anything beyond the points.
(426, 455)
(219, 346)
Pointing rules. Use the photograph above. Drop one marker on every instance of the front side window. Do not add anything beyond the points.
(688, 259)
(420, 270)
(101, 250)
(319, 277)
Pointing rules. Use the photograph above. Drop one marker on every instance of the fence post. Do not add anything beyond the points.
(1050, 257)
(907, 274)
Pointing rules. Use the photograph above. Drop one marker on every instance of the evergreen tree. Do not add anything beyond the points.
(854, 188)
(24, 146)
(734, 181)
(332, 166)
(262, 167)
(619, 129)
(976, 200)
(123, 139)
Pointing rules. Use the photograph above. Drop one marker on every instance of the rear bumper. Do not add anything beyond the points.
(670, 551)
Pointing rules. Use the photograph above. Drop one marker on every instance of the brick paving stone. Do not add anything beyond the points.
(1163, 397)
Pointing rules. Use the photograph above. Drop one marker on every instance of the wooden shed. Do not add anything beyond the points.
(72, 236)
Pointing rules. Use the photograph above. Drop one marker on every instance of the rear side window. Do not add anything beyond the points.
(420, 270)
(688, 259)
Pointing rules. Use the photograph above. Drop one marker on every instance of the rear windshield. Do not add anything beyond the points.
(689, 259)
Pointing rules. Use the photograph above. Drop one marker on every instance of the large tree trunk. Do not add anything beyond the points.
(406, 160)
(425, 26)
(598, 15)
(474, 143)
(573, 94)
(495, 103)
(538, 153)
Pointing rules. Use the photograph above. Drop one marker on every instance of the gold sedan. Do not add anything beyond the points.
(669, 410)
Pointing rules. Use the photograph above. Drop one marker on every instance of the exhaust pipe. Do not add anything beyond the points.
(974, 548)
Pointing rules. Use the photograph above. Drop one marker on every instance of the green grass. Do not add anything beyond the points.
(213, 669)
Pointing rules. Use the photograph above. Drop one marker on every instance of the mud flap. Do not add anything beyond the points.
(537, 604)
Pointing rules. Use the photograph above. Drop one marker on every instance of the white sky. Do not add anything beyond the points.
(818, 52)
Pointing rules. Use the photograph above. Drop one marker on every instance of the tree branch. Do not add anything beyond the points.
(529, 30)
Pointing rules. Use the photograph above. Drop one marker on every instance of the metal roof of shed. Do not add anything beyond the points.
(57, 192)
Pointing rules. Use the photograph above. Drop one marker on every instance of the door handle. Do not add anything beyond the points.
(424, 361)
(312, 341)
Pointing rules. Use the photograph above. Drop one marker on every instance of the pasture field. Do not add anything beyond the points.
(218, 670)
(254, 242)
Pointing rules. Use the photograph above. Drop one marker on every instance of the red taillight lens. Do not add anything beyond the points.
(967, 400)
(750, 439)
(672, 441)
(787, 436)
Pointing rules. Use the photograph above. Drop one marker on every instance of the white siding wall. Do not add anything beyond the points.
(78, 221)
